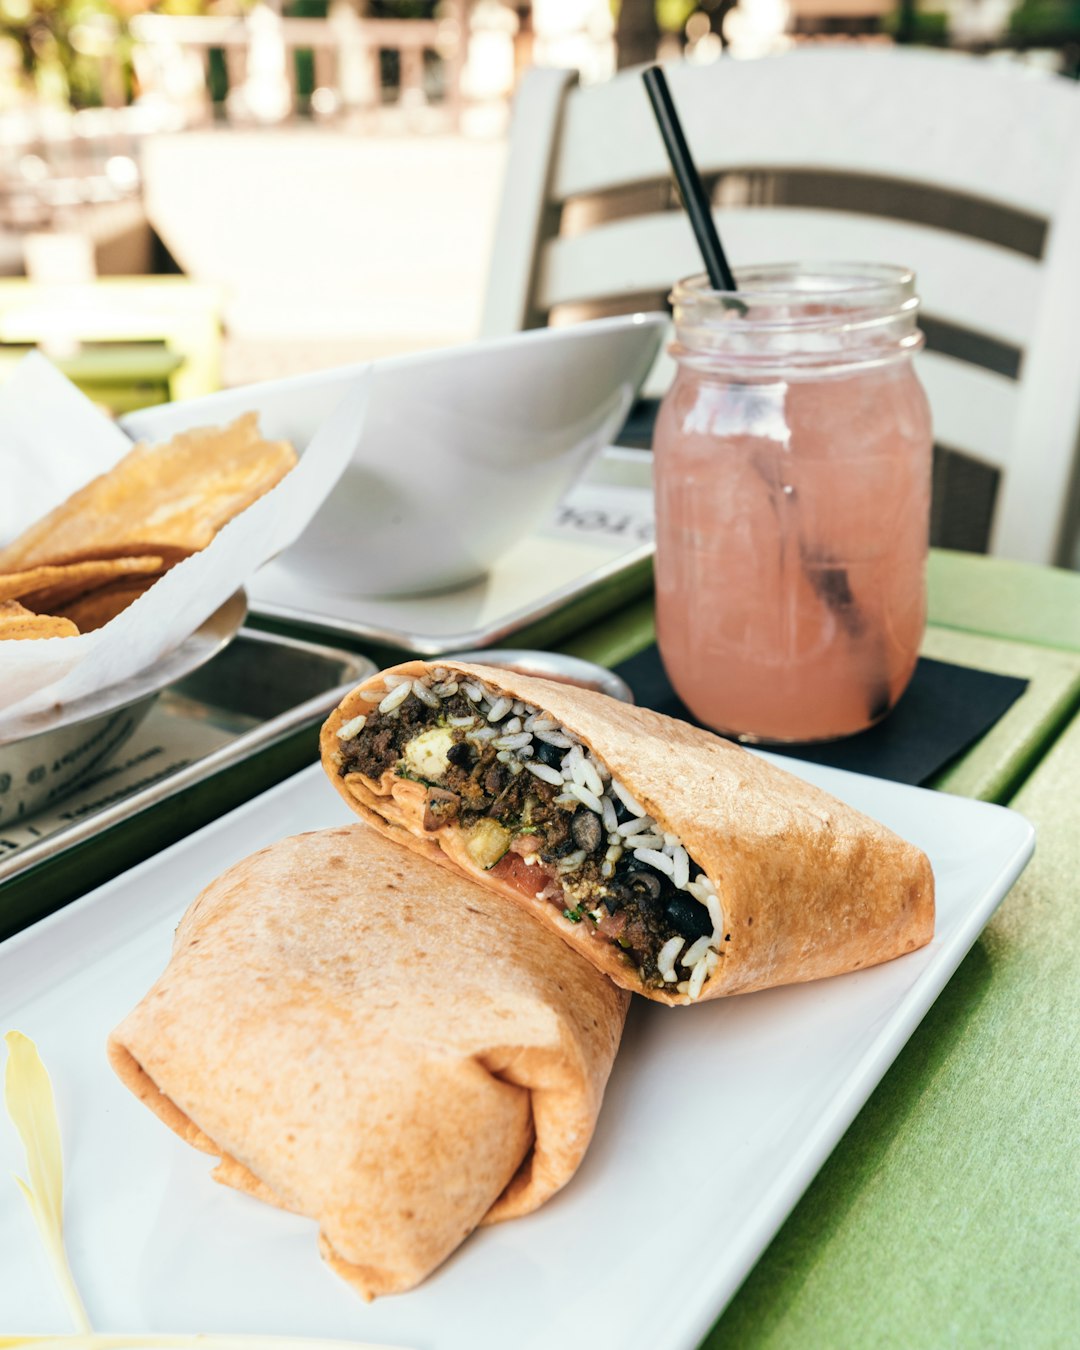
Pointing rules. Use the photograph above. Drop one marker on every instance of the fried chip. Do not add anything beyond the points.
(180, 493)
(17, 623)
(48, 585)
(96, 608)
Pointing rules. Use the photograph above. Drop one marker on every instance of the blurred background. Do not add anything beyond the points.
(198, 193)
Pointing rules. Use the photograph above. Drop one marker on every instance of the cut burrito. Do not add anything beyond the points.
(682, 865)
(377, 1044)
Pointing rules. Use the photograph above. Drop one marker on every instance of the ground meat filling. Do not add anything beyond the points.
(540, 811)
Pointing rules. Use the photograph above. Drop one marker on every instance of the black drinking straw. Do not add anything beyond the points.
(691, 188)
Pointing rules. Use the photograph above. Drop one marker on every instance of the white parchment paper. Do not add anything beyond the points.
(52, 441)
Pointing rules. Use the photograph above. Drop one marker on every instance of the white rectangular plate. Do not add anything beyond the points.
(717, 1118)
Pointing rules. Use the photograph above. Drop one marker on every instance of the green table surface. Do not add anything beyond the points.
(949, 1214)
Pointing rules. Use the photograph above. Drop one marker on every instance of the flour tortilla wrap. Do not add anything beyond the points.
(808, 887)
(377, 1044)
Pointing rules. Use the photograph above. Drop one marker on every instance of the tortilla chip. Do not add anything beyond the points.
(45, 588)
(96, 608)
(18, 623)
(169, 554)
(377, 1044)
(809, 886)
(180, 493)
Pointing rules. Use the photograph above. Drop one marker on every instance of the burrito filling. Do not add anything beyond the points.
(538, 809)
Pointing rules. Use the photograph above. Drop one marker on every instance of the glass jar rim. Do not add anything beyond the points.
(857, 288)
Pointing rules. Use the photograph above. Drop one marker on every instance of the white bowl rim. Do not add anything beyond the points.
(433, 356)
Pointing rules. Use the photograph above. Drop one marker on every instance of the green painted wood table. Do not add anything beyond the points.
(949, 1214)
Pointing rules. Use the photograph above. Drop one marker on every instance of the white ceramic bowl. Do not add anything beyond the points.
(460, 452)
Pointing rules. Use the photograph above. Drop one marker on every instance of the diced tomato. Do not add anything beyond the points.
(513, 868)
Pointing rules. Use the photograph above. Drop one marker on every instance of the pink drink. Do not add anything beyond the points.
(792, 469)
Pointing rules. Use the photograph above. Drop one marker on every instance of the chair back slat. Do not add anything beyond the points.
(967, 282)
(899, 113)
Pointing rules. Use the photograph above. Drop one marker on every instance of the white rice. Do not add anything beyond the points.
(624, 796)
(512, 742)
(698, 977)
(499, 709)
(395, 698)
(424, 694)
(551, 737)
(653, 841)
(544, 771)
(693, 954)
(611, 823)
(665, 959)
(593, 781)
(681, 873)
(629, 827)
(660, 861)
(587, 798)
(712, 904)
(352, 727)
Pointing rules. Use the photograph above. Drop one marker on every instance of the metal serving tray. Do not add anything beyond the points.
(246, 711)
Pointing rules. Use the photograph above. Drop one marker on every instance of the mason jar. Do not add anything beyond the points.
(792, 474)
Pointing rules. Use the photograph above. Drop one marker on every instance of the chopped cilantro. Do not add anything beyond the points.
(574, 915)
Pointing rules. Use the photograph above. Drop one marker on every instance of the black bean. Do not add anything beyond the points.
(462, 754)
(550, 755)
(587, 829)
(688, 916)
(647, 883)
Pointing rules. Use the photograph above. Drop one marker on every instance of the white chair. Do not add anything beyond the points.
(980, 140)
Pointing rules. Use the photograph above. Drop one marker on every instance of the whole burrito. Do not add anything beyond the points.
(680, 864)
(377, 1044)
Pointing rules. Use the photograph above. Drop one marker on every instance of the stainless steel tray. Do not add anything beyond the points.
(593, 555)
(258, 693)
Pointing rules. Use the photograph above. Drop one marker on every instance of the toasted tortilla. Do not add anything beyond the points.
(180, 494)
(809, 886)
(375, 1043)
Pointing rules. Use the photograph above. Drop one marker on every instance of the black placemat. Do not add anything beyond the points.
(945, 709)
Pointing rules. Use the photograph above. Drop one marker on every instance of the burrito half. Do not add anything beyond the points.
(680, 864)
(377, 1044)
